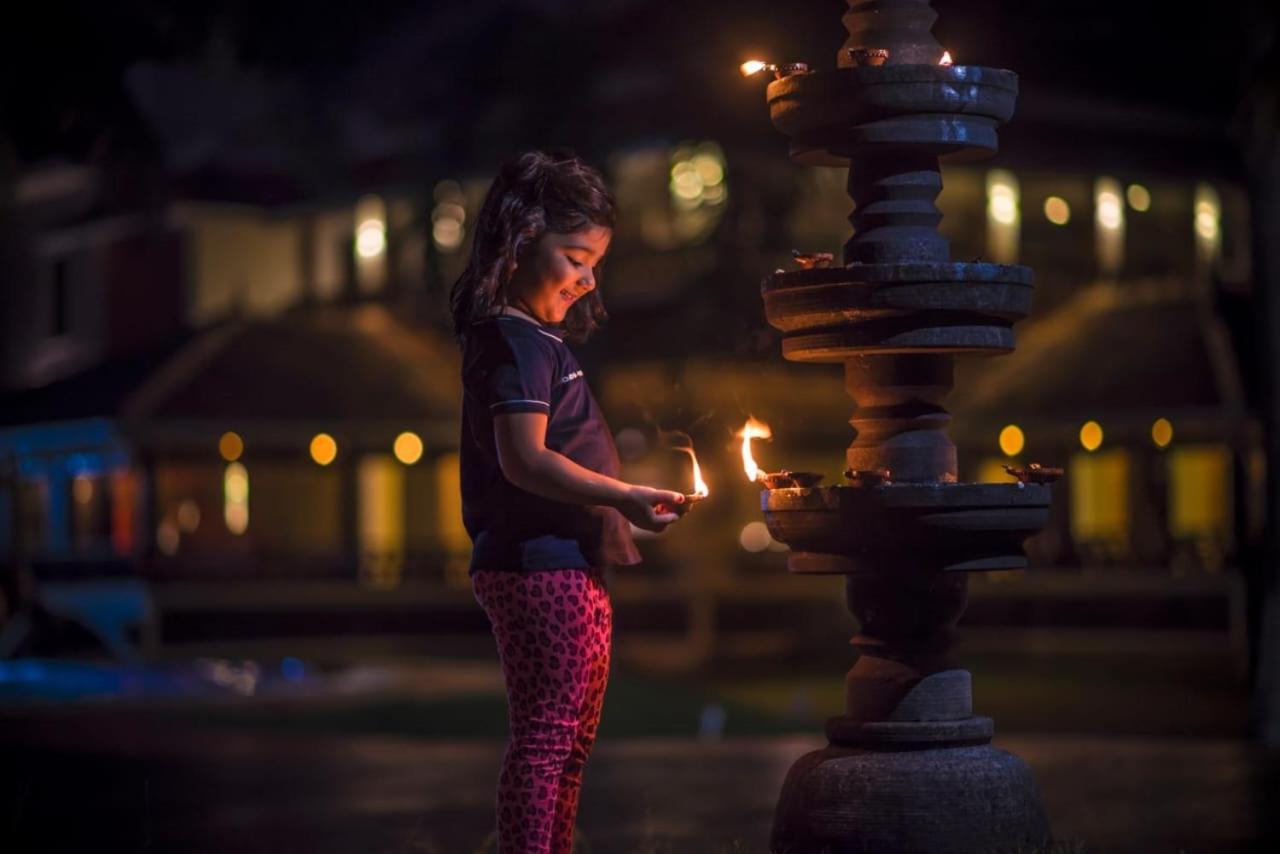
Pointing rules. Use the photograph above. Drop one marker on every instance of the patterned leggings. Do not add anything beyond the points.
(553, 630)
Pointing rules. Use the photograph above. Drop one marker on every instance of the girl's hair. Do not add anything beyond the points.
(535, 193)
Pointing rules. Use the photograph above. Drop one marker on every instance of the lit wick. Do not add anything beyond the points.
(753, 429)
(946, 58)
(783, 479)
(780, 70)
(700, 490)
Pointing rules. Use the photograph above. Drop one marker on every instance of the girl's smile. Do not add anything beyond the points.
(557, 271)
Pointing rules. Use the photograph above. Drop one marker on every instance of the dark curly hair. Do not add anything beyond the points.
(535, 193)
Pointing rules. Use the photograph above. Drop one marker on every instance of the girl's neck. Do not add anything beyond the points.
(519, 312)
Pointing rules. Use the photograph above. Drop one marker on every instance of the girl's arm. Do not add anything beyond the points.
(528, 463)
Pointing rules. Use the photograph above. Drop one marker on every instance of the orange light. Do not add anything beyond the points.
(323, 449)
(699, 485)
(946, 58)
(752, 66)
(753, 429)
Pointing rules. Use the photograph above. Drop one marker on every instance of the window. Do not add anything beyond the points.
(1200, 503)
(381, 531)
(1100, 505)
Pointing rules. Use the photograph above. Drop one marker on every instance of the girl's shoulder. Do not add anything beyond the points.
(501, 338)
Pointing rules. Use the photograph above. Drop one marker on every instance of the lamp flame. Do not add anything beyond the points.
(752, 66)
(946, 58)
(699, 485)
(753, 429)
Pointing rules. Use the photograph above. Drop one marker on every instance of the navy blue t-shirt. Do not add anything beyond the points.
(512, 363)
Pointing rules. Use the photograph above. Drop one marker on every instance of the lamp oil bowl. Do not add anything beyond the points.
(790, 479)
(1034, 473)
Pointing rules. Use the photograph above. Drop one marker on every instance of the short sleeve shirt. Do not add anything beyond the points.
(511, 363)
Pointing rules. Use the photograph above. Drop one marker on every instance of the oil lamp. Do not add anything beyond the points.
(909, 765)
(780, 70)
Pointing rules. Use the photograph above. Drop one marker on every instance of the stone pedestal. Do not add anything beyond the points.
(909, 766)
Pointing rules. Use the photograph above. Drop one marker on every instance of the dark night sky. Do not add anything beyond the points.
(62, 90)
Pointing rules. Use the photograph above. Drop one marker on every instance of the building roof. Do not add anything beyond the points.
(327, 364)
(1115, 353)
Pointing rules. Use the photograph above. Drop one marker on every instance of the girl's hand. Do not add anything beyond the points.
(647, 508)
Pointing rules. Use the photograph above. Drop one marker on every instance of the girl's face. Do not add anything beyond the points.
(557, 271)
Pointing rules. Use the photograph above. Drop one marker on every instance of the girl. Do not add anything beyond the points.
(540, 491)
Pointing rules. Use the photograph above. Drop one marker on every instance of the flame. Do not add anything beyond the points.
(699, 485)
(752, 66)
(753, 429)
(946, 58)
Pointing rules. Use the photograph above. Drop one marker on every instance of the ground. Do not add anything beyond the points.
(1132, 753)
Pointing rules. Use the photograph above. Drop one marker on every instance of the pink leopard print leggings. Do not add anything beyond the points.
(553, 629)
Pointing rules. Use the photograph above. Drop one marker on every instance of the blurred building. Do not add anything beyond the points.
(237, 365)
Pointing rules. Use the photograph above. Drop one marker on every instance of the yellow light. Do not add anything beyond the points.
(1003, 204)
(231, 446)
(408, 448)
(709, 169)
(236, 483)
(754, 537)
(685, 182)
(1162, 432)
(752, 66)
(1206, 222)
(946, 58)
(1057, 211)
(1139, 197)
(1011, 440)
(1109, 212)
(1091, 436)
(323, 449)
(371, 238)
(235, 498)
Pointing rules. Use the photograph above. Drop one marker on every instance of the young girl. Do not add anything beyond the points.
(540, 490)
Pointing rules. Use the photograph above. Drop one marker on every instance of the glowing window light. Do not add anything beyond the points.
(708, 169)
(1003, 216)
(685, 183)
(370, 217)
(1208, 213)
(1109, 218)
(1057, 211)
(323, 449)
(1004, 205)
(1162, 432)
(754, 537)
(1139, 198)
(1200, 492)
(1109, 211)
(1011, 440)
(447, 220)
(371, 238)
(230, 446)
(235, 498)
(697, 176)
(1100, 502)
(1091, 436)
(408, 448)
